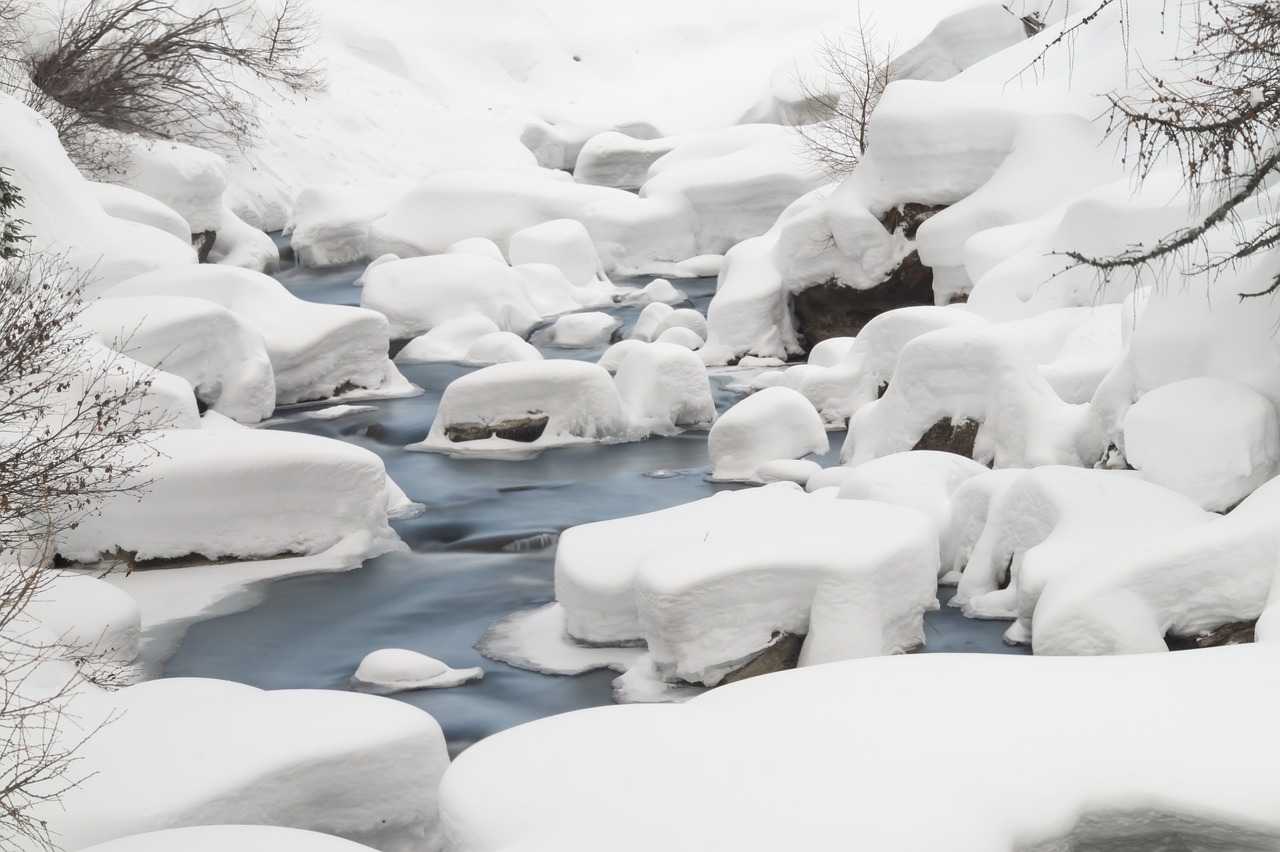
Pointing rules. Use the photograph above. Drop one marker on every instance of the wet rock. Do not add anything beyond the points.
(1234, 633)
(909, 217)
(782, 654)
(950, 437)
(524, 429)
(203, 244)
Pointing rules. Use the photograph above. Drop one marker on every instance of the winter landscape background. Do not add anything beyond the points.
(554, 425)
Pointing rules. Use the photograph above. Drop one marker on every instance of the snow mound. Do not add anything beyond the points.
(124, 202)
(799, 471)
(563, 243)
(240, 244)
(970, 507)
(615, 159)
(618, 352)
(776, 423)
(522, 408)
(979, 375)
(614, 588)
(499, 348)
(419, 293)
(659, 290)
(315, 350)
(664, 389)
(646, 325)
(242, 493)
(479, 246)
(329, 224)
(1188, 580)
(1055, 521)
(391, 670)
(188, 752)
(1212, 440)
(219, 353)
(579, 331)
(1104, 776)
(448, 341)
(89, 617)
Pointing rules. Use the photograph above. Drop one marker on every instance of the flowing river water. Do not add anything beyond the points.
(484, 548)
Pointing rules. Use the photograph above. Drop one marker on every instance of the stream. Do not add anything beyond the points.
(484, 548)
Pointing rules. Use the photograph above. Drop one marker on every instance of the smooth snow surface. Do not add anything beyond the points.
(776, 423)
(397, 670)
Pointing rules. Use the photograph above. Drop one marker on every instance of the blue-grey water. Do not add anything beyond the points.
(460, 574)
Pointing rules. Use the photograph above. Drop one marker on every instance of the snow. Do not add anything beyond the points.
(235, 492)
(123, 202)
(475, 245)
(799, 471)
(664, 389)
(563, 243)
(1056, 521)
(419, 293)
(617, 160)
(1110, 771)
(187, 752)
(315, 350)
(646, 325)
(776, 423)
(89, 617)
(613, 357)
(578, 400)
(683, 337)
(1212, 440)
(580, 331)
(219, 353)
(723, 561)
(448, 341)
(186, 179)
(499, 348)
(240, 244)
(660, 290)
(391, 670)
(217, 838)
(329, 224)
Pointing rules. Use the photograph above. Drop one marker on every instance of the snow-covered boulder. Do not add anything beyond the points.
(482, 246)
(244, 493)
(315, 350)
(664, 389)
(391, 670)
(1055, 521)
(1111, 768)
(646, 325)
(187, 179)
(499, 348)
(218, 352)
(969, 509)
(776, 423)
(618, 352)
(563, 243)
(1212, 440)
(615, 159)
(524, 407)
(448, 341)
(240, 244)
(89, 617)
(419, 293)
(579, 331)
(127, 203)
(189, 752)
(329, 224)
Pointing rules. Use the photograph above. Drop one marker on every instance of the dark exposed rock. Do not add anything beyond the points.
(1235, 633)
(783, 653)
(909, 217)
(203, 244)
(524, 429)
(831, 309)
(947, 436)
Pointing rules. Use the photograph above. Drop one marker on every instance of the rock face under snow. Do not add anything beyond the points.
(1213, 440)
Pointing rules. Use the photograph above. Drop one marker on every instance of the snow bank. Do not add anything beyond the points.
(240, 493)
(1112, 764)
(664, 389)
(1212, 440)
(315, 350)
(419, 293)
(189, 752)
(776, 423)
(525, 407)
(1055, 521)
(219, 353)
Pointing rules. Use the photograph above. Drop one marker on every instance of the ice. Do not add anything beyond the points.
(392, 670)
(664, 389)
(219, 353)
(315, 350)
(1055, 521)
(541, 404)
(1111, 769)
(776, 423)
(1212, 440)
(536, 640)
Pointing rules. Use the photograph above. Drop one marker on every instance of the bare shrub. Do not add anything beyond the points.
(855, 69)
(147, 67)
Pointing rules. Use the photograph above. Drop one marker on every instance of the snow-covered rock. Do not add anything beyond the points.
(315, 350)
(664, 389)
(240, 244)
(1212, 440)
(329, 224)
(448, 341)
(499, 348)
(776, 423)
(392, 670)
(563, 243)
(90, 618)
(522, 408)
(127, 203)
(579, 331)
